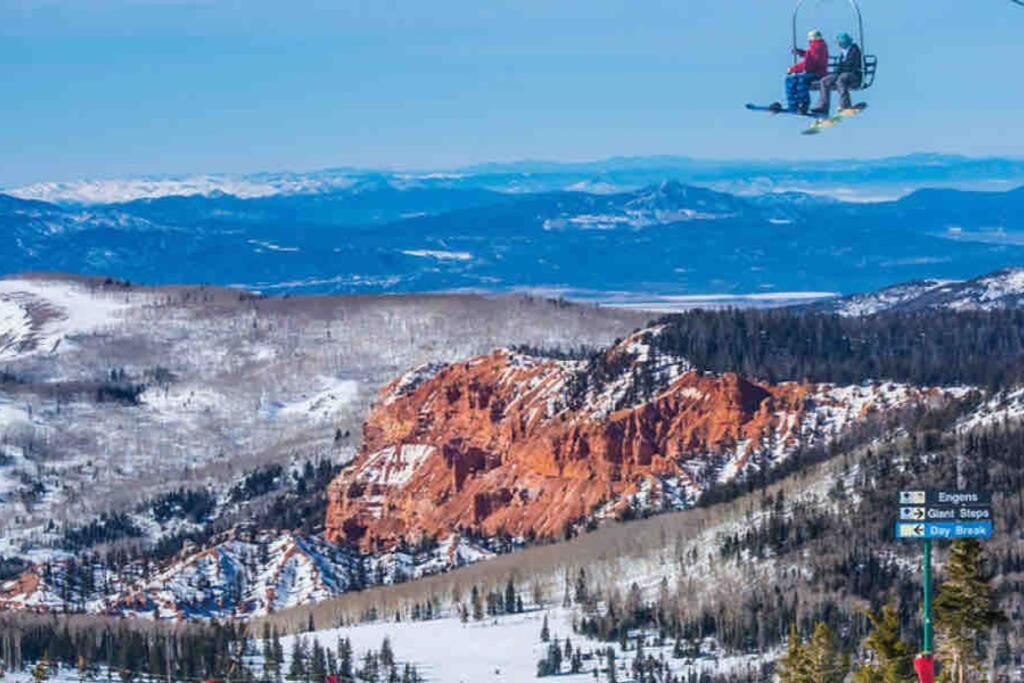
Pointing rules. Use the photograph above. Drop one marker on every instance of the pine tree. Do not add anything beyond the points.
(965, 611)
(345, 660)
(555, 657)
(277, 651)
(581, 592)
(317, 662)
(297, 666)
(41, 671)
(794, 666)
(576, 663)
(826, 663)
(612, 674)
(892, 658)
(545, 632)
(387, 655)
(510, 596)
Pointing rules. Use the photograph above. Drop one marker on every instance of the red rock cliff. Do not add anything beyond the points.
(490, 446)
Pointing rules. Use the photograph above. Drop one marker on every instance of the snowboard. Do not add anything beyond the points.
(831, 121)
(820, 122)
(773, 110)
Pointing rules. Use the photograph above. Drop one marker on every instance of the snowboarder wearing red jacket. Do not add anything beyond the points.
(813, 67)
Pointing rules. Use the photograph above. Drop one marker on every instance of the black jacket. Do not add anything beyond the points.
(852, 62)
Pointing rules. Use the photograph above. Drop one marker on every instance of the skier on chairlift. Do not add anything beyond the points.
(848, 76)
(812, 67)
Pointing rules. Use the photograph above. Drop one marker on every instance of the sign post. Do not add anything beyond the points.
(927, 640)
(942, 514)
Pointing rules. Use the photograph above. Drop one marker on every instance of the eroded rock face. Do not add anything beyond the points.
(499, 445)
(511, 444)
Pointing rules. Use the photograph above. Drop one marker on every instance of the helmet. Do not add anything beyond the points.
(844, 40)
(814, 35)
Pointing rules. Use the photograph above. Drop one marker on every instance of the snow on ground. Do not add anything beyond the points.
(15, 327)
(987, 293)
(131, 189)
(228, 385)
(1007, 406)
(505, 648)
(51, 311)
(325, 403)
(885, 299)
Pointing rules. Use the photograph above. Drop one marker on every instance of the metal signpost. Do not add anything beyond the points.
(940, 514)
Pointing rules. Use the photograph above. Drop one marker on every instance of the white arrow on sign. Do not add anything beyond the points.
(910, 531)
(914, 514)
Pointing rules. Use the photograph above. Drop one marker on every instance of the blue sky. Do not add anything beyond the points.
(104, 88)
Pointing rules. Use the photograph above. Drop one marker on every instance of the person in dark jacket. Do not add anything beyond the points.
(812, 67)
(848, 76)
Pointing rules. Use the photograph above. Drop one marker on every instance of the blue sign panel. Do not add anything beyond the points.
(943, 530)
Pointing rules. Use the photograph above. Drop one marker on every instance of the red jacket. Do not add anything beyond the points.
(815, 59)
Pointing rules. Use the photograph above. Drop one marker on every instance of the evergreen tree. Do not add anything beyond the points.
(278, 651)
(345, 660)
(891, 658)
(794, 666)
(387, 655)
(581, 587)
(317, 662)
(297, 665)
(555, 656)
(965, 611)
(610, 661)
(545, 632)
(41, 671)
(510, 596)
(826, 663)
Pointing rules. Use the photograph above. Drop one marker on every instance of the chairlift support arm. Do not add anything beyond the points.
(860, 23)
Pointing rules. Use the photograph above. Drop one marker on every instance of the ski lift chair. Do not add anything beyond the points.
(869, 65)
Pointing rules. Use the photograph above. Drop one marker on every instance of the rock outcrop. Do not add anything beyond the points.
(509, 444)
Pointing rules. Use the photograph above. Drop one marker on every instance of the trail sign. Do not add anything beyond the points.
(947, 497)
(927, 514)
(953, 514)
(919, 513)
(943, 530)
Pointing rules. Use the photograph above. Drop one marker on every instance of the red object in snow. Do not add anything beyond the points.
(331, 678)
(924, 665)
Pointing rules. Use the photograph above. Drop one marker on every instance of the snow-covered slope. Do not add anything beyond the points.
(244, 573)
(40, 315)
(112, 395)
(887, 299)
(1003, 289)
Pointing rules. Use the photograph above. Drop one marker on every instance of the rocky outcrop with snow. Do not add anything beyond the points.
(244, 573)
(515, 445)
(1001, 290)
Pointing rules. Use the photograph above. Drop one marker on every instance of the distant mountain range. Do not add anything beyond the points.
(669, 240)
(855, 179)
